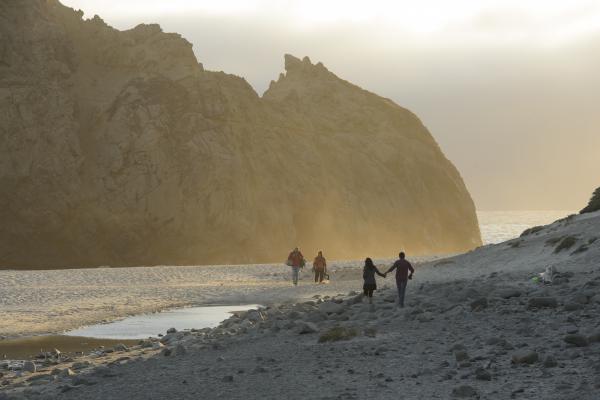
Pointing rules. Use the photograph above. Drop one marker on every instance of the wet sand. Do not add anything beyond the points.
(28, 348)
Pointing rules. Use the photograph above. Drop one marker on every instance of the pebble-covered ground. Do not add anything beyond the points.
(475, 326)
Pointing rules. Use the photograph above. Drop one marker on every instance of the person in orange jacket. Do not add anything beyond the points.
(319, 267)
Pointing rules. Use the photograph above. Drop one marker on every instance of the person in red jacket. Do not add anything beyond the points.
(402, 267)
(296, 261)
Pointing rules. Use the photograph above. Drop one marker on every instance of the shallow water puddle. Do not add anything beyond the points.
(146, 325)
(127, 331)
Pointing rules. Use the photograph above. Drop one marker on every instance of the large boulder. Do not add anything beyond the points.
(119, 148)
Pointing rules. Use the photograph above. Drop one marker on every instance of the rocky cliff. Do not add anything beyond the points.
(118, 148)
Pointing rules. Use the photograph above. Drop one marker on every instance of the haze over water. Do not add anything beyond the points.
(498, 226)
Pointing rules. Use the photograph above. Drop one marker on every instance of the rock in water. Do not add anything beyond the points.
(123, 150)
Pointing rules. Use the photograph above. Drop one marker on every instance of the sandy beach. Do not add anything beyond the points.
(476, 326)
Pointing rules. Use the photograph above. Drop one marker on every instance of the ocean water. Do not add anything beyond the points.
(498, 226)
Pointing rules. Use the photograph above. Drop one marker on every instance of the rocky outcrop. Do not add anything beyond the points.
(593, 204)
(118, 148)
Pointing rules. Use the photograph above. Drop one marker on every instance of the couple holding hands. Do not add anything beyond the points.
(402, 267)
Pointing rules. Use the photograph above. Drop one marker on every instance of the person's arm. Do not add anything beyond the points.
(379, 273)
(393, 267)
(412, 270)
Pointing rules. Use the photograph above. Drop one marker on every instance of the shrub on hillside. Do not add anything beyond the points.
(594, 204)
(531, 231)
(338, 333)
(566, 244)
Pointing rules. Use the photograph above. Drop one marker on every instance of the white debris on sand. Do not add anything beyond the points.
(476, 326)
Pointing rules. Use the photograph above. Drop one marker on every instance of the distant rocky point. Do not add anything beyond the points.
(118, 148)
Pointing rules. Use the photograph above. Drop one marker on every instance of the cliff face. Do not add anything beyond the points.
(118, 148)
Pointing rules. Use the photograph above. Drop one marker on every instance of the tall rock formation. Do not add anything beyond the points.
(118, 148)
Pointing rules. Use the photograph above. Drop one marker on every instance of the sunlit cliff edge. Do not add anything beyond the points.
(118, 148)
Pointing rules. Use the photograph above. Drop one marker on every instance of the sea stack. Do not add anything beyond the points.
(118, 148)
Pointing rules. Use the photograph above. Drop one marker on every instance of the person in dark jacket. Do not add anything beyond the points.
(319, 267)
(402, 267)
(370, 284)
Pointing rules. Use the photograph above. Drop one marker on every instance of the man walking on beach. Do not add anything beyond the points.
(296, 261)
(319, 266)
(402, 267)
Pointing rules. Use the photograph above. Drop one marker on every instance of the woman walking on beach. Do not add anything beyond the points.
(370, 284)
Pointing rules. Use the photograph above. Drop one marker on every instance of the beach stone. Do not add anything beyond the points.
(580, 298)
(180, 350)
(121, 347)
(315, 317)
(465, 391)
(171, 330)
(356, 299)
(550, 362)
(44, 377)
(457, 347)
(254, 316)
(595, 338)
(80, 365)
(29, 366)
(493, 341)
(525, 357)
(306, 327)
(166, 352)
(227, 378)
(157, 346)
(67, 372)
(482, 375)
(331, 308)
(509, 293)
(542, 302)
(461, 355)
(479, 304)
(577, 340)
(573, 306)
(78, 380)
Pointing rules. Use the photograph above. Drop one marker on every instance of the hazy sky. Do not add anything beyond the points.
(509, 88)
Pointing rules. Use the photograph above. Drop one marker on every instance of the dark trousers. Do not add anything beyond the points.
(401, 292)
(319, 275)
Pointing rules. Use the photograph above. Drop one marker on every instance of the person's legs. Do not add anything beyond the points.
(401, 292)
(321, 275)
(316, 275)
(295, 275)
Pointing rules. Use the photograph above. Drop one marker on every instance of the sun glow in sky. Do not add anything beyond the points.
(509, 88)
(551, 21)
